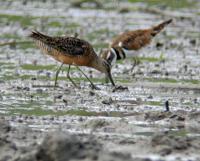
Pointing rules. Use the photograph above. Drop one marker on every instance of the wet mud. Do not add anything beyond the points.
(154, 114)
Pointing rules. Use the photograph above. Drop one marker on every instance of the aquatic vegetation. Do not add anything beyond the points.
(37, 67)
(23, 20)
(174, 4)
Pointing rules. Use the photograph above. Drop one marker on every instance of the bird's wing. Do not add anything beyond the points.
(133, 40)
(70, 46)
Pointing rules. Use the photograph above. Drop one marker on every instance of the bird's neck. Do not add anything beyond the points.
(114, 54)
(119, 53)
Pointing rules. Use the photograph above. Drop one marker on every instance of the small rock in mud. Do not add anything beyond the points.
(159, 45)
(193, 42)
(150, 97)
(155, 116)
(156, 71)
(26, 89)
(164, 142)
(119, 89)
(40, 91)
(91, 93)
(164, 150)
(33, 78)
(59, 96)
(177, 117)
(126, 141)
(124, 10)
(96, 123)
(65, 101)
(4, 126)
(195, 116)
(1, 98)
(63, 146)
(7, 149)
(108, 101)
(117, 157)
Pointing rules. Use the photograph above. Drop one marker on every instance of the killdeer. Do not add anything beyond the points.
(127, 43)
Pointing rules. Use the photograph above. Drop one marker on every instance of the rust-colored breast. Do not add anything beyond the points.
(73, 60)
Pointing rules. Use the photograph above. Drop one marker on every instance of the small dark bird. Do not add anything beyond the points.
(127, 43)
(72, 51)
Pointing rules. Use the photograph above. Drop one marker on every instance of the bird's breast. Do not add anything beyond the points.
(130, 53)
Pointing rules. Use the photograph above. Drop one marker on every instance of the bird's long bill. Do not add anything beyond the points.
(110, 78)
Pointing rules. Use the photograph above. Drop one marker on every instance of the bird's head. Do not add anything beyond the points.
(109, 55)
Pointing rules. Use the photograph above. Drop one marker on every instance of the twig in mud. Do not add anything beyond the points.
(167, 106)
(44, 86)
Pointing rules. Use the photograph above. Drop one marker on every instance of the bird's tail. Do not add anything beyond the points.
(158, 28)
(39, 36)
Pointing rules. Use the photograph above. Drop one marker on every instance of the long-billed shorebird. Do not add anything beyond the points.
(72, 51)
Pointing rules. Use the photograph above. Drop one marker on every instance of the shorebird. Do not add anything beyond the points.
(72, 51)
(125, 44)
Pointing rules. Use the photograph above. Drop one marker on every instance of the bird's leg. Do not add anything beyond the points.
(106, 79)
(93, 86)
(136, 62)
(57, 73)
(68, 76)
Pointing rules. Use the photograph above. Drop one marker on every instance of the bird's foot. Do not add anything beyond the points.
(119, 88)
(95, 87)
(55, 86)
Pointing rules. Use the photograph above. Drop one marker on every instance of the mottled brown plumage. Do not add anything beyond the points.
(126, 43)
(68, 50)
(135, 40)
(71, 51)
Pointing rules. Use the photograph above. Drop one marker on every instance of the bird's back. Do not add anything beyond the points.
(69, 50)
(132, 40)
(136, 39)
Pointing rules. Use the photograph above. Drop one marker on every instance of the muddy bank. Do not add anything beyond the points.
(40, 122)
(54, 146)
(102, 142)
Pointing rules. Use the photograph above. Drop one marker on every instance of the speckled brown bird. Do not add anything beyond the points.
(72, 51)
(127, 43)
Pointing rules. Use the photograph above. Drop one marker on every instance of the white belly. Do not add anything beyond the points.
(113, 56)
(130, 53)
